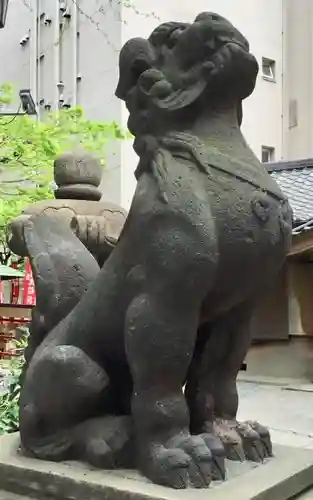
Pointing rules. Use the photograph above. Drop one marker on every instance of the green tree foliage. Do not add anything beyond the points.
(9, 397)
(28, 148)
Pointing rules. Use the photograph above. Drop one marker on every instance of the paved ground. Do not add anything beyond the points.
(288, 413)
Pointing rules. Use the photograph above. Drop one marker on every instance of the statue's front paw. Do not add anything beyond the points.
(183, 462)
(244, 440)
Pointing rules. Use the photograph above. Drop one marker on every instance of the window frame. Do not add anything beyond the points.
(270, 150)
(271, 65)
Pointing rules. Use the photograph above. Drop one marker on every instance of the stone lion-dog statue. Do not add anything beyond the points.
(140, 371)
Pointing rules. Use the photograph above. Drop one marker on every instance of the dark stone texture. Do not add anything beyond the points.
(207, 232)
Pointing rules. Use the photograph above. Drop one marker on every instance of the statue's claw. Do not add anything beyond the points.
(185, 461)
(247, 440)
(217, 449)
(227, 433)
(265, 438)
(251, 442)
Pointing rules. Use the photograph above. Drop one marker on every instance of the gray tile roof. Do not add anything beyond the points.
(298, 186)
(296, 181)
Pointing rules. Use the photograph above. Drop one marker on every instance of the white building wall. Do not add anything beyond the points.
(298, 79)
(14, 57)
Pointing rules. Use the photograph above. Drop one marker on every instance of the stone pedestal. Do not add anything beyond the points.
(281, 478)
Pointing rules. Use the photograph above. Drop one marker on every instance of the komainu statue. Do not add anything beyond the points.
(141, 372)
(77, 176)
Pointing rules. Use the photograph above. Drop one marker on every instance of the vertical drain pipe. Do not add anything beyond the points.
(56, 53)
(38, 59)
(74, 20)
(33, 51)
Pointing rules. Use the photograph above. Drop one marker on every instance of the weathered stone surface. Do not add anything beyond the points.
(78, 167)
(290, 473)
(171, 307)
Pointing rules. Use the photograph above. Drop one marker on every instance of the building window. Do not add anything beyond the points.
(268, 69)
(268, 154)
(293, 113)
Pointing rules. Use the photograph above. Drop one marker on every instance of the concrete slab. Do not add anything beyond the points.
(281, 478)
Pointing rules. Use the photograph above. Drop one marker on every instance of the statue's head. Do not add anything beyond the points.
(181, 65)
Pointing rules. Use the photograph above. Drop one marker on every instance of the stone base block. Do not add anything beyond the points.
(288, 474)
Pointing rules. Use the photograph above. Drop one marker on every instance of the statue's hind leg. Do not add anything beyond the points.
(212, 392)
(63, 392)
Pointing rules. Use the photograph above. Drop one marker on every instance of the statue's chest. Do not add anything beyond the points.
(253, 230)
(246, 214)
(246, 224)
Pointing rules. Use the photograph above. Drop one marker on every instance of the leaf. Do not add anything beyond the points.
(9, 400)
(28, 149)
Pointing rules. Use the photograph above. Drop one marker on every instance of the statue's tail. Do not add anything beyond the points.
(55, 447)
(62, 268)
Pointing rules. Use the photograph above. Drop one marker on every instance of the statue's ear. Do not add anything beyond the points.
(136, 56)
(181, 98)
